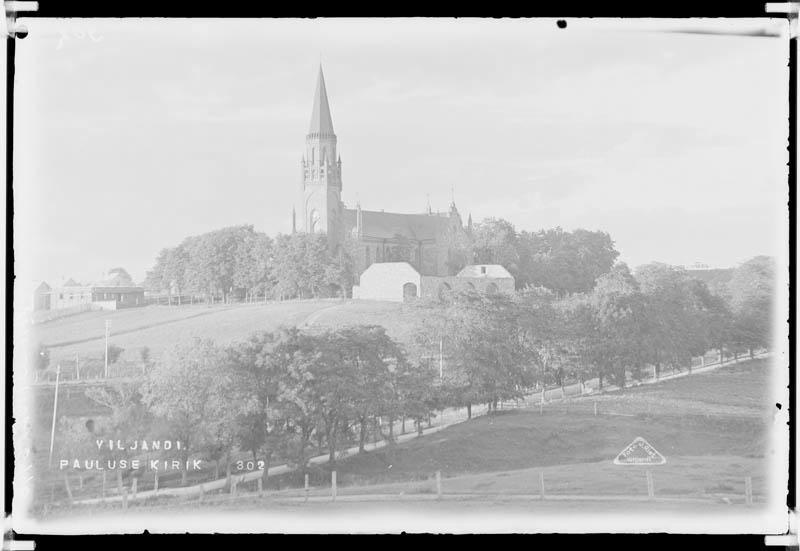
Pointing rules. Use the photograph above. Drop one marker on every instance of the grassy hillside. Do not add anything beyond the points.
(525, 439)
(740, 389)
(158, 327)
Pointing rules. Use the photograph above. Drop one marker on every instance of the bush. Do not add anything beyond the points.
(114, 353)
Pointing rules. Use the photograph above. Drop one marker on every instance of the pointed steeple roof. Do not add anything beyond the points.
(321, 122)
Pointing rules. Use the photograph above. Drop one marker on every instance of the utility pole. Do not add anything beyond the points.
(55, 409)
(108, 322)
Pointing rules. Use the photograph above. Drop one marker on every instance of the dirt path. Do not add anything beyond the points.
(312, 318)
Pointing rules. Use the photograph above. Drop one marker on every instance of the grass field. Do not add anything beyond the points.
(723, 412)
(738, 389)
(525, 439)
(159, 327)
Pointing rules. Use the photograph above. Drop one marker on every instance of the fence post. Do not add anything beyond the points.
(134, 486)
(703, 360)
(306, 486)
(104, 484)
(748, 490)
(333, 485)
(541, 484)
(155, 484)
(595, 408)
(650, 489)
(260, 487)
(438, 484)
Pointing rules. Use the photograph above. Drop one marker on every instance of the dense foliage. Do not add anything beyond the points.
(241, 262)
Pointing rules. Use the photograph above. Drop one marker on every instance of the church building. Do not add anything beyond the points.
(423, 240)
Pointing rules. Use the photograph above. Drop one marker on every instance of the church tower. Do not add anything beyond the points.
(322, 210)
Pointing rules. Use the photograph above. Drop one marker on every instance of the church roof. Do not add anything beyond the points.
(321, 122)
(389, 225)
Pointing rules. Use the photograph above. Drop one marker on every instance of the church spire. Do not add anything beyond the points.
(321, 122)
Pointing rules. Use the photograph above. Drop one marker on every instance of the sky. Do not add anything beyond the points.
(132, 134)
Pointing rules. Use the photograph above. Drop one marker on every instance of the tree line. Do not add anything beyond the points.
(499, 347)
(562, 261)
(283, 395)
(239, 262)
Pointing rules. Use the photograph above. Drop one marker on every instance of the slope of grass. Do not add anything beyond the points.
(158, 327)
(723, 413)
(524, 439)
(740, 389)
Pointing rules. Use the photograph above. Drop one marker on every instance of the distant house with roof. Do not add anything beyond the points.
(41, 296)
(401, 282)
(113, 291)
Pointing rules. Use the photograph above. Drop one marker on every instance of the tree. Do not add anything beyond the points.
(122, 273)
(619, 314)
(114, 352)
(169, 272)
(258, 370)
(541, 327)
(253, 264)
(488, 356)
(752, 292)
(189, 390)
(370, 356)
(129, 419)
(674, 304)
(328, 384)
(494, 241)
(565, 262)
(304, 266)
(580, 335)
(75, 443)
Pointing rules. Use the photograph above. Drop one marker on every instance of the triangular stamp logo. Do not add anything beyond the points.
(639, 452)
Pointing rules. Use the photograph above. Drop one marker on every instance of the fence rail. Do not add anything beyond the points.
(435, 488)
